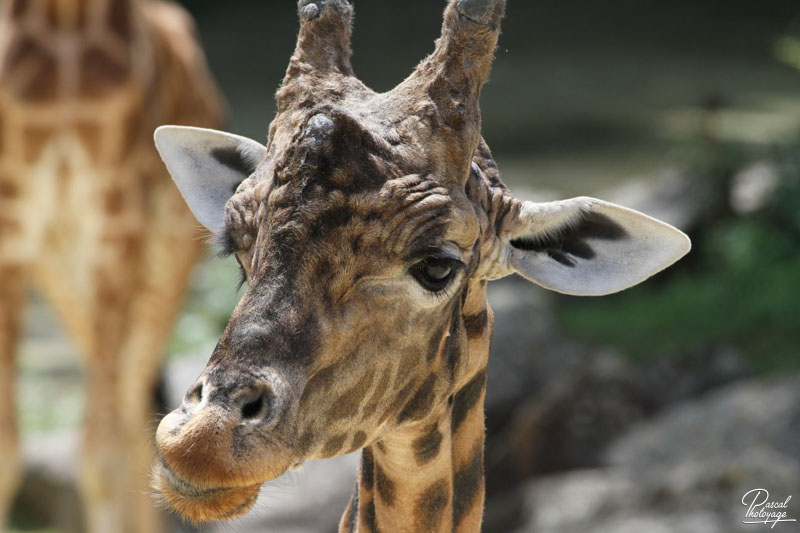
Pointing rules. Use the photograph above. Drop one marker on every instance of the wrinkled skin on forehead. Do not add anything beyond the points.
(328, 257)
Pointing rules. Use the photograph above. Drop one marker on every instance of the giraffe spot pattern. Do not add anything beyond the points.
(466, 399)
(385, 486)
(119, 19)
(476, 324)
(358, 440)
(347, 405)
(369, 517)
(367, 469)
(431, 505)
(41, 82)
(426, 448)
(114, 201)
(100, 73)
(8, 189)
(467, 482)
(421, 403)
(19, 7)
(334, 445)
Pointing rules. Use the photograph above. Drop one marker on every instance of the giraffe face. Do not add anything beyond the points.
(357, 262)
(350, 325)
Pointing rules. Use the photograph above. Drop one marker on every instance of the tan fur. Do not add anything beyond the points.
(88, 214)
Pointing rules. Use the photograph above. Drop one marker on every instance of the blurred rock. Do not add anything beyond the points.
(570, 424)
(752, 187)
(681, 377)
(726, 425)
(528, 349)
(686, 470)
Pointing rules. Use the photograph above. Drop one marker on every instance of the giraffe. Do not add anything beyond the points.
(88, 216)
(367, 230)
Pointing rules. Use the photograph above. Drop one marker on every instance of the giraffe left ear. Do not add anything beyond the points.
(588, 247)
(207, 166)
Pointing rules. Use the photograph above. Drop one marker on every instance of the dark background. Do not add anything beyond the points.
(566, 73)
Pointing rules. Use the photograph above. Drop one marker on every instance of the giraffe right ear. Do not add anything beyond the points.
(207, 166)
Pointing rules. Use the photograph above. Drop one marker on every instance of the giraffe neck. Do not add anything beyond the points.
(75, 54)
(75, 14)
(429, 476)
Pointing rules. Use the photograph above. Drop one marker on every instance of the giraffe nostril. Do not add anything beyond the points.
(195, 394)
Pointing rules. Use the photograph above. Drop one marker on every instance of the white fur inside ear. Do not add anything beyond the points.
(207, 166)
(588, 247)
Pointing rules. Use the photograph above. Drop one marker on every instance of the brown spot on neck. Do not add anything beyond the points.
(40, 80)
(476, 324)
(421, 403)
(67, 14)
(431, 505)
(467, 483)
(385, 486)
(120, 18)
(426, 447)
(466, 399)
(100, 73)
(19, 8)
(334, 446)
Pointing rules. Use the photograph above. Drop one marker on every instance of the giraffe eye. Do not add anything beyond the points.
(435, 273)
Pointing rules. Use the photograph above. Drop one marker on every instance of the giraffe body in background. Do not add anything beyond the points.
(368, 228)
(89, 217)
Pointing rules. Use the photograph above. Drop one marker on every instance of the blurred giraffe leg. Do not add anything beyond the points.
(89, 286)
(91, 292)
(99, 477)
(102, 479)
(12, 298)
(170, 252)
(20, 237)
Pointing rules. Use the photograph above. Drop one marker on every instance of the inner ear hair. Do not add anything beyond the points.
(241, 158)
(569, 239)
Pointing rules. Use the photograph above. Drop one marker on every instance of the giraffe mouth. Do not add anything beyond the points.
(201, 504)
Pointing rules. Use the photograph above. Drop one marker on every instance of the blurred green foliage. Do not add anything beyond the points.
(740, 285)
(209, 306)
(787, 50)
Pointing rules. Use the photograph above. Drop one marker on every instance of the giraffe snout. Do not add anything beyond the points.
(225, 440)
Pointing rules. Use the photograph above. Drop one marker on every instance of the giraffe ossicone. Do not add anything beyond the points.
(374, 223)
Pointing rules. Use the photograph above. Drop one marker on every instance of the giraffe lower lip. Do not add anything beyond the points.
(203, 504)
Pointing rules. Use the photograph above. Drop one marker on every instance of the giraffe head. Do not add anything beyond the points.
(360, 229)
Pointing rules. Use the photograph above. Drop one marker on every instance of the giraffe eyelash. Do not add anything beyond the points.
(446, 294)
(225, 243)
(242, 275)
